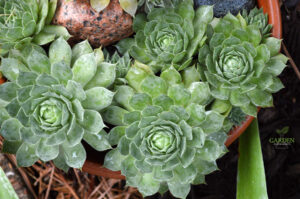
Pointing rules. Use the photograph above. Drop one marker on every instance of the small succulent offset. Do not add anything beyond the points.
(24, 21)
(239, 66)
(51, 103)
(151, 4)
(129, 6)
(168, 36)
(165, 138)
(258, 18)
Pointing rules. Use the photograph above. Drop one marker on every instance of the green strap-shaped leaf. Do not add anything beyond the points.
(6, 189)
(251, 179)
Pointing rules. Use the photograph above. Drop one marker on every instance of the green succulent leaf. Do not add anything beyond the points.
(97, 98)
(98, 141)
(62, 72)
(179, 190)
(84, 68)
(75, 156)
(46, 152)
(80, 49)
(113, 160)
(104, 77)
(26, 155)
(10, 129)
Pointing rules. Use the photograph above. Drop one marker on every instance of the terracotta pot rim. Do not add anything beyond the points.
(269, 6)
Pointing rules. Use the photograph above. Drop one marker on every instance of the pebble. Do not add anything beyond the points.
(222, 7)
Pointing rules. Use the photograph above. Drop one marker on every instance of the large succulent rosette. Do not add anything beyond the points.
(168, 36)
(165, 138)
(51, 103)
(23, 21)
(239, 66)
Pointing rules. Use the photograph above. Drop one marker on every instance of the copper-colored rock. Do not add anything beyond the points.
(83, 22)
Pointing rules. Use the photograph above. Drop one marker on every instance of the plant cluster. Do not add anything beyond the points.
(23, 21)
(163, 116)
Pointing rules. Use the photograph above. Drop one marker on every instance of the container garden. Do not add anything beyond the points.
(169, 127)
(94, 162)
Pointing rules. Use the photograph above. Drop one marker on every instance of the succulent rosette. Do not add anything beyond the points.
(239, 66)
(23, 21)
(258, 18)
(51, 103)
(168, 36)
(165, 138)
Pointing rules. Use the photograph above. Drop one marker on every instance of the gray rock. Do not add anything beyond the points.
(222, 7)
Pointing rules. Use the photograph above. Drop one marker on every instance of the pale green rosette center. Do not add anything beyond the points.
(161, 141)
(49, 112)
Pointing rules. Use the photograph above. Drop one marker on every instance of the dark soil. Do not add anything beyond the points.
(282, 164)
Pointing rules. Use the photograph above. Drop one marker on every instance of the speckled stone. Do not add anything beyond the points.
(83, 22)
(222, 7)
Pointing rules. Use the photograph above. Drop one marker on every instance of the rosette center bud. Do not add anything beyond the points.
(49, 112)
(161, 140)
